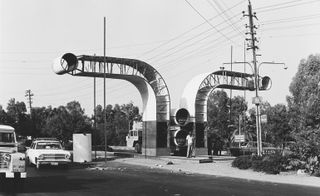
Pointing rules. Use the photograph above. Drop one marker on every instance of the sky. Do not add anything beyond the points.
(179, 38)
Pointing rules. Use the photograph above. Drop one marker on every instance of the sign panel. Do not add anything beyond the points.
(239, 138)
(264, 118)
(256, 100)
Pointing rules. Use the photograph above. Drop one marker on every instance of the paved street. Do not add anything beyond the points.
(121, 179)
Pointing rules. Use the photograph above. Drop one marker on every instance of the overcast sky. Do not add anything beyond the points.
(180, 38)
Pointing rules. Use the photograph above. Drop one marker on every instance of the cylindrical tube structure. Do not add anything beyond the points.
(65, 64)
(180, 117)
(180, 137)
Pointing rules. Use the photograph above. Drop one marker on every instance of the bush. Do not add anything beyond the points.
(242, 162)
(270, 164)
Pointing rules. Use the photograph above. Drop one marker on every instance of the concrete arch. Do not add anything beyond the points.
(197, 91)
(152, 87)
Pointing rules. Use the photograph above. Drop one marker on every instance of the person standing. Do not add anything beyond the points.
(189, 139)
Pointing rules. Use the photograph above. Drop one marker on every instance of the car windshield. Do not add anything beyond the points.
(7, 137)
(48, 146)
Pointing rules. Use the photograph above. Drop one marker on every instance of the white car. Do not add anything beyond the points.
(47, 152)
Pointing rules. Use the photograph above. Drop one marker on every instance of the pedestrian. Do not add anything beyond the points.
(189, 139)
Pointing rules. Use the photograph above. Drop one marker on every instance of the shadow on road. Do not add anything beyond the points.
(48, 179)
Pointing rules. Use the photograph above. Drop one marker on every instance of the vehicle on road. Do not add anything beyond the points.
(249, 148)
(134, 137)
(47, 151)
(12, 162)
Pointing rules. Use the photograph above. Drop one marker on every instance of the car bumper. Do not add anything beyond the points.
(14, 174)
(53, 162)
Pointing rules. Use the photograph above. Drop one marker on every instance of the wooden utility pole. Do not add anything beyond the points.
(29, 96)
(256, 99)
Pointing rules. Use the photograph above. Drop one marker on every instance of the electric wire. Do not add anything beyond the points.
(208, 22)
(290, 6)
(224, 16)
(284, 7)
(188, 31)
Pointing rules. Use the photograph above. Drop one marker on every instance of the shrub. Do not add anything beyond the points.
(317, 173)
(257, 164)
(270, 164)
(242, 162)
(313, 165)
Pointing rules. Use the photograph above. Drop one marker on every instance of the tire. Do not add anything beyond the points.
(137, 148)
(37, 164)
(28, 162)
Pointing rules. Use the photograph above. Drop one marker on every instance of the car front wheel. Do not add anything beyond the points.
(37, 164)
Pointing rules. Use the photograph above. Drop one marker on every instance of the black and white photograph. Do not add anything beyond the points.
(159, 97)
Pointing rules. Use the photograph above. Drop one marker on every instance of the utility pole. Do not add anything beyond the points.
(104, 91)
(94, 113)
(230, 104)
(29, 96)
(256, 99)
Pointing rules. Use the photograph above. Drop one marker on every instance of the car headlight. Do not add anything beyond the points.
(40, 157)
(67, 156)
(6, 157)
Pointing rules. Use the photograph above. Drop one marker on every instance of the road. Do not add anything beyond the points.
(120, 179)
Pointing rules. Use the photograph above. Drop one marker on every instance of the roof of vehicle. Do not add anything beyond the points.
(6, 129)
(46, 140)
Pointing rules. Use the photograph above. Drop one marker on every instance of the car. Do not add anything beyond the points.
(47, 151)
(249, 148)
(12, 162)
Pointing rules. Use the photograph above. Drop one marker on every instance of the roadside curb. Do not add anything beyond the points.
(221, 169)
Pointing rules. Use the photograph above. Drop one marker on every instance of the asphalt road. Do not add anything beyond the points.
(121, 179)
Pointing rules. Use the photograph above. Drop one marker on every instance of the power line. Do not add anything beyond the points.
(289, 6)
(189, 45)
(278, 4)
(188, 31)
(208, 22)
(291, 19)
(224, 16)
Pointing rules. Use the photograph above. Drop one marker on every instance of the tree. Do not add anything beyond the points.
(218, 114)
(63, 121)
(39, 118)
(304, 106)
(304, 102)
(78, 121)
(223, 120)
(278, 125)
(3, 116)
(118, 121)
(17, 117)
